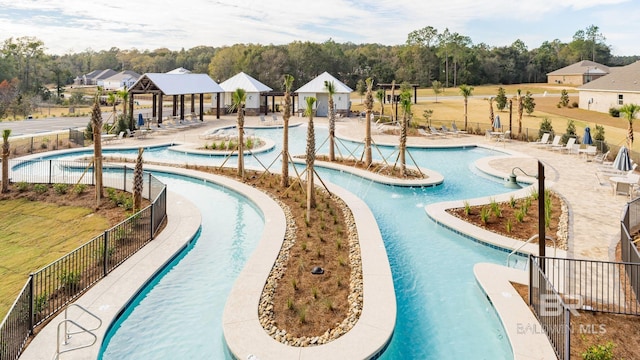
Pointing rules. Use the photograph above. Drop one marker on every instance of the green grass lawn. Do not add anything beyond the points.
(34, 234)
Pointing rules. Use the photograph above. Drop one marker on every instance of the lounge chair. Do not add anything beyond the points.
(544, 140)
(275, 119)
(602, 158)
(263, 121)
(590, 150)
(455, 129)
(437, 132)
(555, 142)
(504, 137)
(447, 131)
(568, 147)
(422, 132)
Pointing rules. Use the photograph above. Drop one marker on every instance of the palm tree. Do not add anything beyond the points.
(124, 95)
(311, 157)
(138, 183)
(5, 159)
(96, 123)
(491, 111)
(520, 111)
(368, 103)
(466, 91)
(380, 98)
(405, 103)
(238, 99)
(288, 83)
(331, 89)
(630, 111)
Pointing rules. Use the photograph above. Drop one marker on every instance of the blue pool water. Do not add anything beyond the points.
(442, 313)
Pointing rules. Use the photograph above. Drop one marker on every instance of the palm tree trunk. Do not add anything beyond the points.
(367, 140)
(403, 146)
(138, 182)
(465, 113)
(630, 136)
(310, 156)
(332, 129)
(5, 166)
(284, 182)
(240, 143)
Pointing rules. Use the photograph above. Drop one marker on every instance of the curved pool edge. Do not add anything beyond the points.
(108, 298)
(433, 178)
(369, 337)
(523, 329)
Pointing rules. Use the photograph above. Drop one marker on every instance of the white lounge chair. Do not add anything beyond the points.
(568, 147)
(556, 142)
(447, 131)
(602, 158)
(544, 140)
(504, 137)
(437, 132)
(422, 132)
(455, 129)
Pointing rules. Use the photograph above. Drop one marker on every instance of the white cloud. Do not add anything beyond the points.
(164, 23)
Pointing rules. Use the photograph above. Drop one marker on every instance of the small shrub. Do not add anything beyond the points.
(339, 244)
(508, 226)
(341, 261)
(40, 188)
(599, 352)
(302, 315)
(69, 280)
(484, 215)
(512, 201)
(545, 127)
(290, 303)
(534, 194)
(329, 304)
(574, 104)
(79, 189)
(467, 208)
(304, 245)
(60, 189)
(520, 215)
(294, 284)
(40, 302)
(314, 291)
(614, 112)
(23, 186)
(495, 209)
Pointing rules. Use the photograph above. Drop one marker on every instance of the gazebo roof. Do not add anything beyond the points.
(244, 81)
(175, 84)
(317, 85)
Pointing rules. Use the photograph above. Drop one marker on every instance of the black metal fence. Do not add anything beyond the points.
(560, 287)
(48, 290)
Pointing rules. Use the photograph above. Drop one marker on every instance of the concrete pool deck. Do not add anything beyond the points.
(594, 213)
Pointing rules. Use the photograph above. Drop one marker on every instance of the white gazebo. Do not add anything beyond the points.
(316, 88)
(255, 103)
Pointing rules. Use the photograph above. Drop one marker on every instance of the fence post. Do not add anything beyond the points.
(530, 279)
(31, 314)
(124, 179)
(50, 171)
(567, 334)
(150, 199)
(153, 221)
(105, 253)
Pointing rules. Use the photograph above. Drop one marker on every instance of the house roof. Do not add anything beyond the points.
(317, 85)
(243, 81)
(179, 70)
(583, 67)
(175, 84)
(100, 74)
(127, 74)
(625, 78)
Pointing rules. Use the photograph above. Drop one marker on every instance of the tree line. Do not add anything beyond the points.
(427, 55)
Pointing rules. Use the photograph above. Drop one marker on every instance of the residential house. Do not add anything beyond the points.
(120, 80)
(578, 74)
(621, 86)
(96, 77)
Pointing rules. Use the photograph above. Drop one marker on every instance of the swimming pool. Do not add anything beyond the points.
(442, 314)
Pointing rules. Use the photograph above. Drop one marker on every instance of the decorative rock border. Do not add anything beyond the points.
(265, 311)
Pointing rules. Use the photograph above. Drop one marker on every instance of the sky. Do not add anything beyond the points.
(72, 26)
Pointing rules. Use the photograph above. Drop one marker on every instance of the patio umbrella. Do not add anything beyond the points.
(140, 120)
(586, 139)
(496, 122)
(622, 161)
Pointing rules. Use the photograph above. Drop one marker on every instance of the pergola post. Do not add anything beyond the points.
(160, 96)
(154, 101)
(201, 107)
(132, 125)
(193, 103)
(217, 105)
(181, 107)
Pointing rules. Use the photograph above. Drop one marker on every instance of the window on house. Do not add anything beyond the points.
(620, 99)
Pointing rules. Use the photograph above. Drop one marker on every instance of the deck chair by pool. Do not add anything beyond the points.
(544, 140)
(568, 147)
(422, 132)
(455, 129)
(437, 132)
(555, 143)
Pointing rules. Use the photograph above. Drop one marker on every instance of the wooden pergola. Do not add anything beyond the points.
(386, 87)
(177, 86)
(273, 95)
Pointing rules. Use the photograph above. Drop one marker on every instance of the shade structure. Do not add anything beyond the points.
(496, 122)
(140, 120)
(586, 139)
(622, 161)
